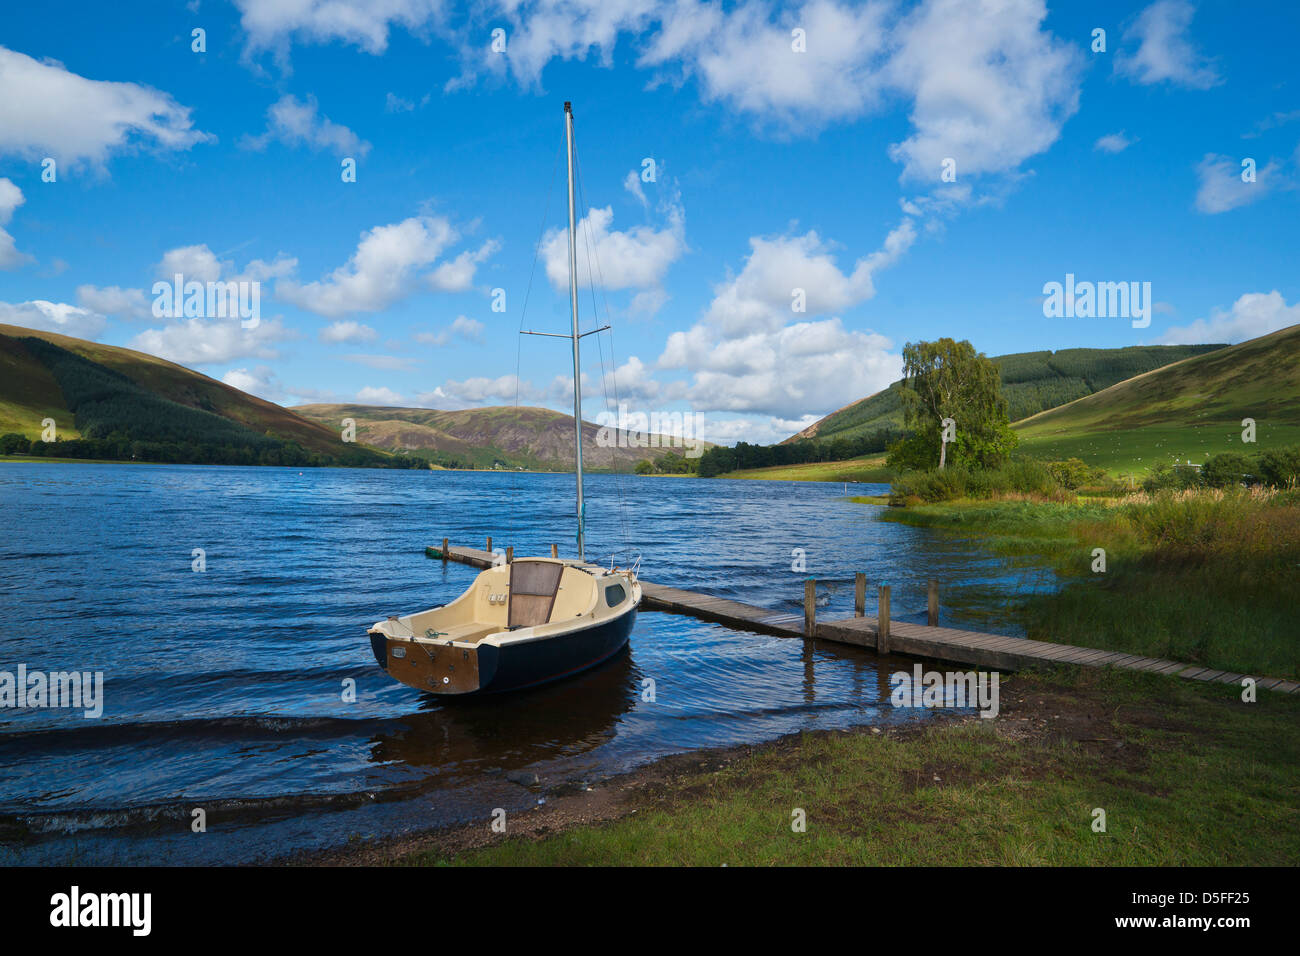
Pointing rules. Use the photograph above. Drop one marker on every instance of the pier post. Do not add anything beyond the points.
(810, 607)
(445, 549)
(882, 622)
(510, 554)
(860, 595)
(488, 549)
(555, 550)
(934, 603)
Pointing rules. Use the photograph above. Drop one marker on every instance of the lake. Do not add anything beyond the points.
(226, 689)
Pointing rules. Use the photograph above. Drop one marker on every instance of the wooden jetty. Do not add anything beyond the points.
(899, 637)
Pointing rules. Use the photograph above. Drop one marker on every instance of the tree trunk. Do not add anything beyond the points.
(943, 452)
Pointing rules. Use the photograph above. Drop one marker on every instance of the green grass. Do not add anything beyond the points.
(1189, 410)
(1208, 578)
(1188, 775)
(869, 469)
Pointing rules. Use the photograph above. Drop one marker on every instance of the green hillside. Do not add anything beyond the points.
(501, 436)
(1031, 382)
(109, 402)
(1181, 412)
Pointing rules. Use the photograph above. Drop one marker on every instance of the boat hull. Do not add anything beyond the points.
(512, 665)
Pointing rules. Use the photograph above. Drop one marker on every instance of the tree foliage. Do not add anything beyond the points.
(946, 379)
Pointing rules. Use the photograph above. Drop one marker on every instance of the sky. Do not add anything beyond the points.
(776, 197)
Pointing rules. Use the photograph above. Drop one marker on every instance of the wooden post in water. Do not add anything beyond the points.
(860, 595)
(444, 549)
(810, 607)
(488, 549)
(510, 554)
(555, 550)
(934, 603)
(882, 622)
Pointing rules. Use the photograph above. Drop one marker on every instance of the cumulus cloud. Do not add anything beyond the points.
(457, 275)
(635, 258)
(349, 331)
(990, 87)
(53, 317)
(1221, 187)
(46, 110)
(1165, 53)
(371, 395)
(196, 263)
(114, 300)
(297, 122)
(212, 341)
(274, 24)
(383, 269)
(1252, 315)
(752, 353)
(762, 297)
(463, 328)
(11, 197)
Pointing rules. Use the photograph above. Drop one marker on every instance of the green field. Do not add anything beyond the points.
(868, 469)
(1186, 411)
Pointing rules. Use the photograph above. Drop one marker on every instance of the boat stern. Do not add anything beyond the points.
(440, 668)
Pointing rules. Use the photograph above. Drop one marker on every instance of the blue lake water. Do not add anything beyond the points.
(225, 689)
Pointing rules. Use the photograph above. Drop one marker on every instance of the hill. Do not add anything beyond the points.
(110, 402)
(1031, 381)
(1182, 412)
(534, 438)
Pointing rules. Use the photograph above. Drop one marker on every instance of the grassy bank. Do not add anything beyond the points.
(1208, 577)
(1187, 774)
(870, 469)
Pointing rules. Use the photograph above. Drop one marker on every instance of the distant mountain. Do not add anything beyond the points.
(119, 403)
(1183, 412)
(1031, 382)
(503, 436)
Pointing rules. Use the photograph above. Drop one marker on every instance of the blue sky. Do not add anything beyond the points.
(776, 169)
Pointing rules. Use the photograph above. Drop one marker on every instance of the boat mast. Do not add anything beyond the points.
(573, 304)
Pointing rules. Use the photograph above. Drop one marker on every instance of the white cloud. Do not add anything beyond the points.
(261, 382)
(457, 275)
(1113, 143)
(52, 317)
(212, 342)
(195, 263)
(1221, 187)
(636, 258)
(761, 297)
(349, 331)
(632, 183)
(45, 110)
(990, 87)
(463, 327)
(296, 122)
(749, 61)
(273, 24)
(395, 104)
(114, 300)
(11, 197)
(752, 353)
(370, 395)
(1252, 315)
(1165, 54)
(380, 272)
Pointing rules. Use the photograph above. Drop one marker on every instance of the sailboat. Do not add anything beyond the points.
(530, 621)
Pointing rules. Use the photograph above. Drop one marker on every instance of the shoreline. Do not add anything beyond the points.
(1188, 773)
